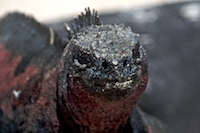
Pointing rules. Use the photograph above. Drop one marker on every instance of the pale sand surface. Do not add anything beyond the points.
(48, 10)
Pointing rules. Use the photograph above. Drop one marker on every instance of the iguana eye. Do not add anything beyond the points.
(136, 51)
(82, 58)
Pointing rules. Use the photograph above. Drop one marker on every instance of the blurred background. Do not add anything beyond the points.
(170, 32)
(55, 9)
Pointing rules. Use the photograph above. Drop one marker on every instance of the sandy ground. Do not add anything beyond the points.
(50, 10)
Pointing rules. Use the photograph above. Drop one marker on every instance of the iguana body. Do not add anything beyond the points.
(46, 88)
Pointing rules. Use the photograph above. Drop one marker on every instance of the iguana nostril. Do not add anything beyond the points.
(125, 63)
(104, 64)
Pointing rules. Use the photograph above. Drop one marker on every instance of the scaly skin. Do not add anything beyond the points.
(28, 78)
(34, 90)
(103, 73)
(46, 88)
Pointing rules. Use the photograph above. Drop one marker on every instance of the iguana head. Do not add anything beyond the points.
(103, 72)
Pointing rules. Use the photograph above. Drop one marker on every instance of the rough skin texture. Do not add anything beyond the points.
(30, 74)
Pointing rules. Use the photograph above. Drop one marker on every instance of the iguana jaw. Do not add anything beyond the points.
(92, 113)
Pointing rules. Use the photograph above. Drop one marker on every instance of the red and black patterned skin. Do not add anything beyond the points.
(28, 65)
(39, 91)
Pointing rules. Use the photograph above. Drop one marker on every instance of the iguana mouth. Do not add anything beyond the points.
(123, 85)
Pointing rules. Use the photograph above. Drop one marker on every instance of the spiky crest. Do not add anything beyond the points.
(83, 20)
